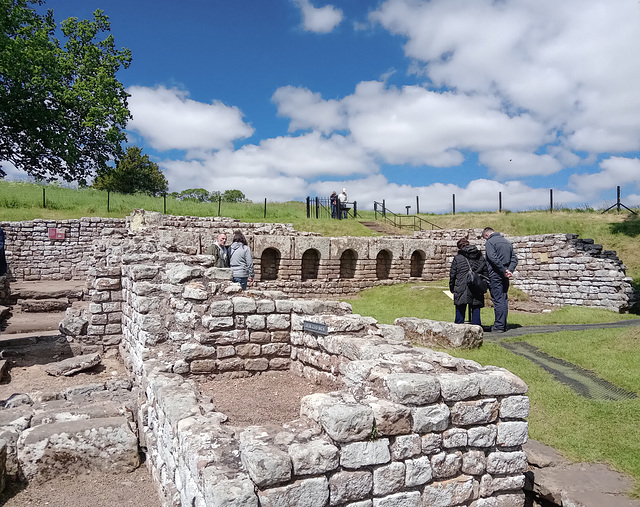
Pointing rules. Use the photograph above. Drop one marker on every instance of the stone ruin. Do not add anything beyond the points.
(404, 425)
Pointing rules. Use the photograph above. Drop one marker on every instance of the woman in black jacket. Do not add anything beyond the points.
(469, 257)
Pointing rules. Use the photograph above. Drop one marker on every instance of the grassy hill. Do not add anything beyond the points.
(24, 201)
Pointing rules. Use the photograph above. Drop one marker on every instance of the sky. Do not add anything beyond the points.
(394, 100)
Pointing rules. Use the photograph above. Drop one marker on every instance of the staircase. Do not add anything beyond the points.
(386, 229)
(29, 321)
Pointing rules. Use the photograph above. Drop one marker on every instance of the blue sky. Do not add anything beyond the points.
(392, 100)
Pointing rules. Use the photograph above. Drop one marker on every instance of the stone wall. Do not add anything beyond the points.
(33, 255)
(558, 269)
(406, 426)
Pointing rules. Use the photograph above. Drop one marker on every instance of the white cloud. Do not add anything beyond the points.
(168, 119)
(319, 19)
(615, 171)
(307, 110)
(571, 64)
(422, 127)
(513, 163)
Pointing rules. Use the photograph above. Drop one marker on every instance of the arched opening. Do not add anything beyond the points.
(310, 263)
(383, 264)
(417, 263)
(348, 261)
(269, 264)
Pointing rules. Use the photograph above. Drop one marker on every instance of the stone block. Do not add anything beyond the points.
(500, 382)
(512, 433)
(406, 446)
(346, 422)
(191, 351)
(391, 418)
(454, 437)
(360, 454)
(350, 486)
(430, 418)
(506, 462)
(302, 493)
(454, 491)
(221, 308)
(278, 322)
(256, 322)
(458, 387)
(474, 462)
(482, 436)
(267, 465)
(313, 458)
(406, 499)
(412, 388)
(432, 333)
(431, 443)
(514, 407)
(446, 465)
(418, 471)
(221, 490)
(74, 447)
(259, 364)
(467, 413)
(243, 305)
(388, 479)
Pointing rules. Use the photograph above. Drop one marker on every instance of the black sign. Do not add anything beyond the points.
(314, 327)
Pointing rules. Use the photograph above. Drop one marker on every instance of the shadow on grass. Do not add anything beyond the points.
(630, 227)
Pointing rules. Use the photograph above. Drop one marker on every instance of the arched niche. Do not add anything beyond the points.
(348, 261)
(383, 264)
(417, 263)
(270, 264)
(310, 264)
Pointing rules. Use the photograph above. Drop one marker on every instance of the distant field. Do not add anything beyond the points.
(24, 201)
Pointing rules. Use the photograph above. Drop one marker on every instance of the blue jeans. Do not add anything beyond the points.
(242, 281)
(498, 288)
(461, 311)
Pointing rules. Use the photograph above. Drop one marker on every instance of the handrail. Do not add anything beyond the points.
(416, 223)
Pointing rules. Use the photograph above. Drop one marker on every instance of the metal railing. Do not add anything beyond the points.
(413, 222)
(320, 207)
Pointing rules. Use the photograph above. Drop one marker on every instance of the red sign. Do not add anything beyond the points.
(56, 234)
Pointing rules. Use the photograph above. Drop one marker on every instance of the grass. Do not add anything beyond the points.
(582, 429)
(428, 301)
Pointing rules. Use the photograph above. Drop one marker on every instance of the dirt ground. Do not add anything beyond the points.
(271, 397)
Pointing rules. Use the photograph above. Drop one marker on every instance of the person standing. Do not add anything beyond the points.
(343, 203)
(333, 199)
(240, 260)
(501, 262)
(468, 257)
(219, 251)
(3, 259)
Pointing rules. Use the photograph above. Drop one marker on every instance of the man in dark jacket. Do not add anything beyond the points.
(469, 257)
(501, 261)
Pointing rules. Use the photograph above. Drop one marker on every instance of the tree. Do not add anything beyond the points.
(196, 194)
(133, 173)
(62, 110)
(233, 196)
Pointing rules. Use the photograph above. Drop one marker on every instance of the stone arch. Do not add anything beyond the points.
(270, 264)
(383, 264)
(310, 264)
(417, 263)
(348, 261)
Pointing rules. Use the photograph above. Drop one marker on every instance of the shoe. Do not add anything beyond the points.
(495, 330)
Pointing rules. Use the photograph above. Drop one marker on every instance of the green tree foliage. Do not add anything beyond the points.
(133, 173)
(62, 110)
(233, 196)
(196, 194)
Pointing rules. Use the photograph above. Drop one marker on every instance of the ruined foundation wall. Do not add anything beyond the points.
(558, 269)
(33, 255)
(408, 426)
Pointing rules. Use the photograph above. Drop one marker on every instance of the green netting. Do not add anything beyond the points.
(585, 382)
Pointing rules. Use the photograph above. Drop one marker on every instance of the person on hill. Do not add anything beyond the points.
(468, 258)
(333, 200)
(240, 260)
(501, 261)
(219, 251)
(342, 198)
